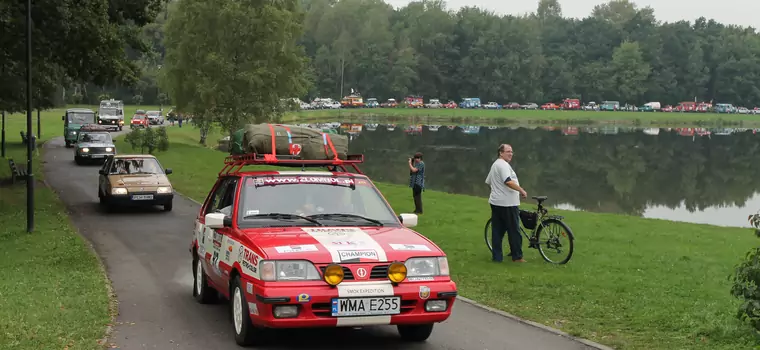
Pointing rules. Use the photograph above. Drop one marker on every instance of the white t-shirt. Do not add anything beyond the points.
(501, 194)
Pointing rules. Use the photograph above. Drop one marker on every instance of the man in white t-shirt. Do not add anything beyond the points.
(505, 202)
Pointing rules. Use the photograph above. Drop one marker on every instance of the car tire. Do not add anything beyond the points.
(78, 160)
(168, 206)
(246, 334)
(202, 292)
(415, 333)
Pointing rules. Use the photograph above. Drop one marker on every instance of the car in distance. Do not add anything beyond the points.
(155, 117)
(315, 249)
(94, 143)
(134, 179)
(139, 120)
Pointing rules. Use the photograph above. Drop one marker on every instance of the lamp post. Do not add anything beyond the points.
(30, 138)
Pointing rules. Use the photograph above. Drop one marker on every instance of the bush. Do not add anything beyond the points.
(150, 139)
(746, 282)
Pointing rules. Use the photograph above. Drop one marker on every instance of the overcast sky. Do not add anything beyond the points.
(739, 12)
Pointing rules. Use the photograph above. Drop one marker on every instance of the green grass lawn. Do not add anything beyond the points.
(521, 116)
(53, 291)
(633, 283)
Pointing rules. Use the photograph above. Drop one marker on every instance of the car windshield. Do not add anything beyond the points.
(81, 117)
(330, 200)
(108, 111)
(138, 117)
(142, 165)
(101, 137)
(153, 114)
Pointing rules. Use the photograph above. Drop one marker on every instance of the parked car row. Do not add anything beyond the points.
(356, 101)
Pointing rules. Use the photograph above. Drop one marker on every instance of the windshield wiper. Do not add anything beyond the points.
(283, 217)
(348, 216)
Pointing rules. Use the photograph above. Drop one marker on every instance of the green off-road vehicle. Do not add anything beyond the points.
(73, 120)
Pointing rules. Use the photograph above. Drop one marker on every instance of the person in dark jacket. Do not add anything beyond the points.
(417, 180)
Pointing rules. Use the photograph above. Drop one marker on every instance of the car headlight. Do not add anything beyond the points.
(164, 190)
(288, 270)
(427, 267)
(109, 149)
(85, 150)
(118, 190)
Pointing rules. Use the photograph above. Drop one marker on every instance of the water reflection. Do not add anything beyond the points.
(685, 174)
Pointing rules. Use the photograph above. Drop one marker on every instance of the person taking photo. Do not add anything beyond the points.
(417, 180)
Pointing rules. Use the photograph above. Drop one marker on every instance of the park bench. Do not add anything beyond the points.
(16, 171)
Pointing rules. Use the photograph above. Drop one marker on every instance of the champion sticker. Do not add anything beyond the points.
(251, 212)
(296, 248)
(424, 292)
(411, 247)
(253, 308)
(347, 255)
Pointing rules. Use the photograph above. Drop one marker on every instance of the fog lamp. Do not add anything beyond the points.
(435, 305)
(333, 274)
(397, 272)
(285, 311)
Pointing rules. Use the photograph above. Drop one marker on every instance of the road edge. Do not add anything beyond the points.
(497, 311)
(534, 324)
(113, 301)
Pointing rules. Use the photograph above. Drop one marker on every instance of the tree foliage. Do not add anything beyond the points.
(72, 42)
(234, 60)
(746, 282)
(148, 139)
(619, 52)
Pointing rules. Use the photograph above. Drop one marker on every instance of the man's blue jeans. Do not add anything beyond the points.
(506, 220)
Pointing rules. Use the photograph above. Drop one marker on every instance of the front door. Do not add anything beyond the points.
(213, 242)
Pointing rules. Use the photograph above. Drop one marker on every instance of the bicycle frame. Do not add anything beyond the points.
(542, 214)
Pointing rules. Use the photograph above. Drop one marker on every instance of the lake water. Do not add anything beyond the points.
(683, 174)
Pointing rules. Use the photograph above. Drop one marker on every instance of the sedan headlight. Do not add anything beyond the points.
(288, 270)
(427, 267)
(109, 149)
(164, 190)
(85, 150)
(118, 190)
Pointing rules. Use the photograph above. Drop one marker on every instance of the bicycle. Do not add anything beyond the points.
(529, 220)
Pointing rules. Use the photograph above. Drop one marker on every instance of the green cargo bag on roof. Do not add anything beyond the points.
(308, 143)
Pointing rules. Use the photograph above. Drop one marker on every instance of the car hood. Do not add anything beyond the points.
(95, 144)
(342, 244)
(142, 180)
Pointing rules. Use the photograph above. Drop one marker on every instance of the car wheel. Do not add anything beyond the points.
(202, 292)
(78, 160)
(168, 206)
(415, 333)
(246, 333)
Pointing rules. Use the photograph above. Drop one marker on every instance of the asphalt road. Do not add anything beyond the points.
(146, 257)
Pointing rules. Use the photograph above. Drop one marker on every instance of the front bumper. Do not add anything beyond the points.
(316, 312)
(130, 199)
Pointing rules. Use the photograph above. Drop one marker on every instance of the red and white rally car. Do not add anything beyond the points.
(294, 249)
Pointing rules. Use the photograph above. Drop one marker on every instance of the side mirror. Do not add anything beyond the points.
(408, 220)
(217, 220)
(102, 172)
(168, 171)
(63, 117)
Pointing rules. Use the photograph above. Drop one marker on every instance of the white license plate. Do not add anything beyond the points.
(142, 197)
(369, 306)
(97, 156)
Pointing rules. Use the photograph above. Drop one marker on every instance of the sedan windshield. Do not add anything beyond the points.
(126, 166)
(307, 200)
(101, 137)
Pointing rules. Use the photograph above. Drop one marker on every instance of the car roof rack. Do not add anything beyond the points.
(233, 164)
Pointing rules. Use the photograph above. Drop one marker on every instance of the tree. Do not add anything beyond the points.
(81, 41)
(746, 282)
(234, 60)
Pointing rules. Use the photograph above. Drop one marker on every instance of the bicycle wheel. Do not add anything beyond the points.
(555, 241)
(487, 233)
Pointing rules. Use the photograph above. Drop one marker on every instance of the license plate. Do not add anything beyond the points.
(369, 306)
(97, 156)
(142, 197)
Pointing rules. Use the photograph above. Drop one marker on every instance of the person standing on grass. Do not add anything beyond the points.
(417, 180)
(505, 202)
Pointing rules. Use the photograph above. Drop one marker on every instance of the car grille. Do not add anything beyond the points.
(378, 272)
(97, 150)
(325, 309)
